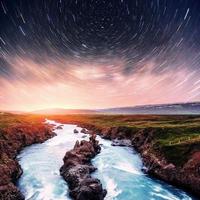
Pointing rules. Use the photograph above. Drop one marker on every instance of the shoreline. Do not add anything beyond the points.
(17, 138)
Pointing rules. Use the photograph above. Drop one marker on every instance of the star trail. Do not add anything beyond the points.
(98, 53)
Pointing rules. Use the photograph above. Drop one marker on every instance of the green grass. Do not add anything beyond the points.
(8, 120)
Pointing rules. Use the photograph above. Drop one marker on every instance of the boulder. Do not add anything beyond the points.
(59, 127)
(75, 131)
(83, 130)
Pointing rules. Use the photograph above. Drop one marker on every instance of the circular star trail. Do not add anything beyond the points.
(64, 49)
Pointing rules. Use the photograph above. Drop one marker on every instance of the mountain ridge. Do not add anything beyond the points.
(174, 108)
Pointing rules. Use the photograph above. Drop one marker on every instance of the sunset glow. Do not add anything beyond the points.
(67, 84)
(98, 54)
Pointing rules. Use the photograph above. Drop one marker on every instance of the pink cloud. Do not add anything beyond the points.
(92, 85)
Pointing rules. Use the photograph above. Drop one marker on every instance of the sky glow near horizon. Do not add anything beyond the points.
(98, 54)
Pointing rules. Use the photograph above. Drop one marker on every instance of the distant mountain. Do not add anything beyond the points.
(159, 109)
(166, 109)
(63, 111)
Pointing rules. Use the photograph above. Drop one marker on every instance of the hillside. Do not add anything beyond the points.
(166, 109)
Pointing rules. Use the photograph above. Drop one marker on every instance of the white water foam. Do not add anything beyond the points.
(112, 190)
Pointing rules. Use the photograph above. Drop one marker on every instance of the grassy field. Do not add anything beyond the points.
(7, 119)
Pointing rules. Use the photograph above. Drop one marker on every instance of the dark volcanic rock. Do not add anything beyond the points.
(12, 141)
(59, 127)
(83, 130)
(75, 131)
(77, 169)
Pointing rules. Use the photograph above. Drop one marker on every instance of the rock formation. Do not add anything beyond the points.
(75, 131)
(77, 169)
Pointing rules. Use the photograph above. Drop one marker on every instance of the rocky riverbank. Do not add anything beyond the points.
(77, 169)
(186, 176)
(12, 140)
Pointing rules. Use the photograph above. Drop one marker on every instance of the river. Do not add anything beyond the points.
(119, 169)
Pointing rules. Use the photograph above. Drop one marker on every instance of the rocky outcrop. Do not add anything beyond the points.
(83, 130)
(59, 127)
(86, 131)
(77, 169)
(186, 176)
(75, 131)
(12, 140)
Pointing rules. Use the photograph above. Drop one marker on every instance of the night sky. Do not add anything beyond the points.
(98, 53)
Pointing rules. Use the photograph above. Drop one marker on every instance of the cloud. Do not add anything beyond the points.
(72, 84)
